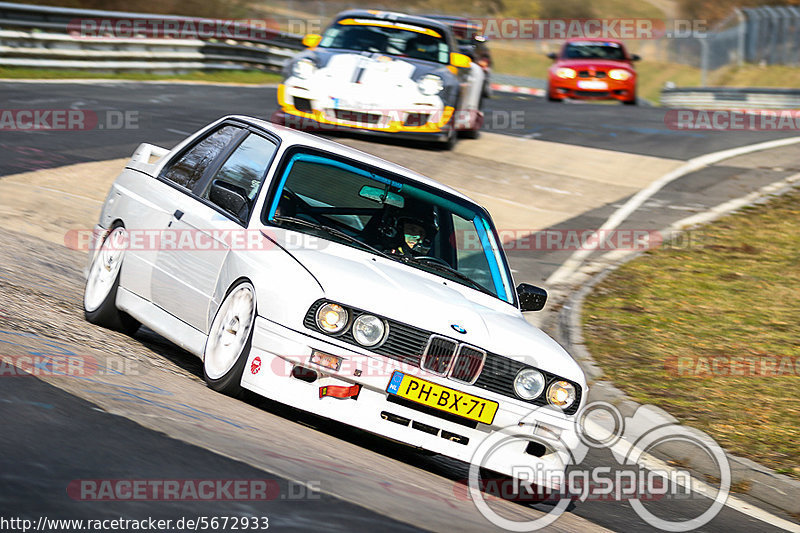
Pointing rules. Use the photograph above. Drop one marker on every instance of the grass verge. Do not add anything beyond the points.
(221, 76)
(657, 324)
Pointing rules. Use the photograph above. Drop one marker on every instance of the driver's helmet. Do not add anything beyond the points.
(416, 233)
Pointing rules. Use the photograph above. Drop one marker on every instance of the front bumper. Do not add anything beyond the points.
(305, 109)
(572, 88)
(374, 409)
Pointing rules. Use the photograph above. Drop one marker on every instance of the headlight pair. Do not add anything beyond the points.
(368, 330)
(530, 384)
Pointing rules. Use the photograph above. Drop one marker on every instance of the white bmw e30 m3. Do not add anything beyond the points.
(335, 282)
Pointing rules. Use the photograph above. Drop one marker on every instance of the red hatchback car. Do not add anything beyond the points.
(596, 69)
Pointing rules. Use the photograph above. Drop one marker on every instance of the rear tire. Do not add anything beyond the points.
(100, 293)
(230, 338)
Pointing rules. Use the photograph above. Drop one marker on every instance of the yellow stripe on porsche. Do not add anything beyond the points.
(393, 26)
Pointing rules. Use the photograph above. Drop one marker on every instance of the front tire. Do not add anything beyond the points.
(229, 340)
(100, 293)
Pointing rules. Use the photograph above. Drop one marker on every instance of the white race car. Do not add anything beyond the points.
(335, 282)
(383, 73)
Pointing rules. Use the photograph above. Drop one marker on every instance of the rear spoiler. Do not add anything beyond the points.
(146, 158)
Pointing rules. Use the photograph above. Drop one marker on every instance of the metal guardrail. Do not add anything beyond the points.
(47, 37)
(730, 98)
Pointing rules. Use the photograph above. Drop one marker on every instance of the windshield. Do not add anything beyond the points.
(386, 37)
(422, 228)
(594, 50)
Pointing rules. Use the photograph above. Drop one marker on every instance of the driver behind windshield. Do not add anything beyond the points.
(414, 235)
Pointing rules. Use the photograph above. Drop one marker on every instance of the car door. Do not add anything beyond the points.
(154, 202)
(204, 226)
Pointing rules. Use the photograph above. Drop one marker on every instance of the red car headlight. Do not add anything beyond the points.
(620, 74)
(566, 73)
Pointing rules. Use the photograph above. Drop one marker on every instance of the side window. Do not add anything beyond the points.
(242, 174)
(189, 168)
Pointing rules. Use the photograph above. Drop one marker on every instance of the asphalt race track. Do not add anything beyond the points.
(161, 422)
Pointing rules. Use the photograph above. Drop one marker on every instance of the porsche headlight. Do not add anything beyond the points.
(430, 85)
(561, 394)
(368, 330)
(529, 383)
(619, 74)
(304, 68)
(331, 318)
(567, 73)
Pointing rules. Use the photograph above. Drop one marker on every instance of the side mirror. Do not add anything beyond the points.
(460, 60)
(531, 297)
(229, 197)
(552, 55)
(311, 40)
(636, 57)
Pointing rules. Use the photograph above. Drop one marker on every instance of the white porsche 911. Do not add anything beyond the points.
(383, 73)
(335, 282)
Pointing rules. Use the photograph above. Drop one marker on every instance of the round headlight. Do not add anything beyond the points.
(331, 318)
(565, 72)
(561, 394)
(304, 68)
(430, 85)
(619, 74)
(529, 383)
(368, 330)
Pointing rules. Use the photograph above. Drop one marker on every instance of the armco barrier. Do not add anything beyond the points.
(730, 98)
(46, 37)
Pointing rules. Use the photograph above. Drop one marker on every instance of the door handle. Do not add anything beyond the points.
(177, 214)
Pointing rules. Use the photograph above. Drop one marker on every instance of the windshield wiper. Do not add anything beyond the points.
(436, 265)
(330, 231)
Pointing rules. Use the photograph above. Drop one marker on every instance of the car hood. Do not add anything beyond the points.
(363, 76)
(406, 294)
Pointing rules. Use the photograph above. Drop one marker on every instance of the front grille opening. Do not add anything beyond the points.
(468, 364)
(537, 449)
(454, 437)
(397, 419)
(439, 354)
(356, 116)
(431, 411)
(302, 104)
(304, 374)
(416, 119)
(425, 428)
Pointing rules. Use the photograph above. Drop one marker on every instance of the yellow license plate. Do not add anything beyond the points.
(442, 398)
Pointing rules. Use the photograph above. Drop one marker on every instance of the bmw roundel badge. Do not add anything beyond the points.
(458, 328)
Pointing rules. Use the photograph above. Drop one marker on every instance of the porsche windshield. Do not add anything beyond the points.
(367, 208)
(386, 37)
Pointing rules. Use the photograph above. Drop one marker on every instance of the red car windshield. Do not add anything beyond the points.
(593, 50)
